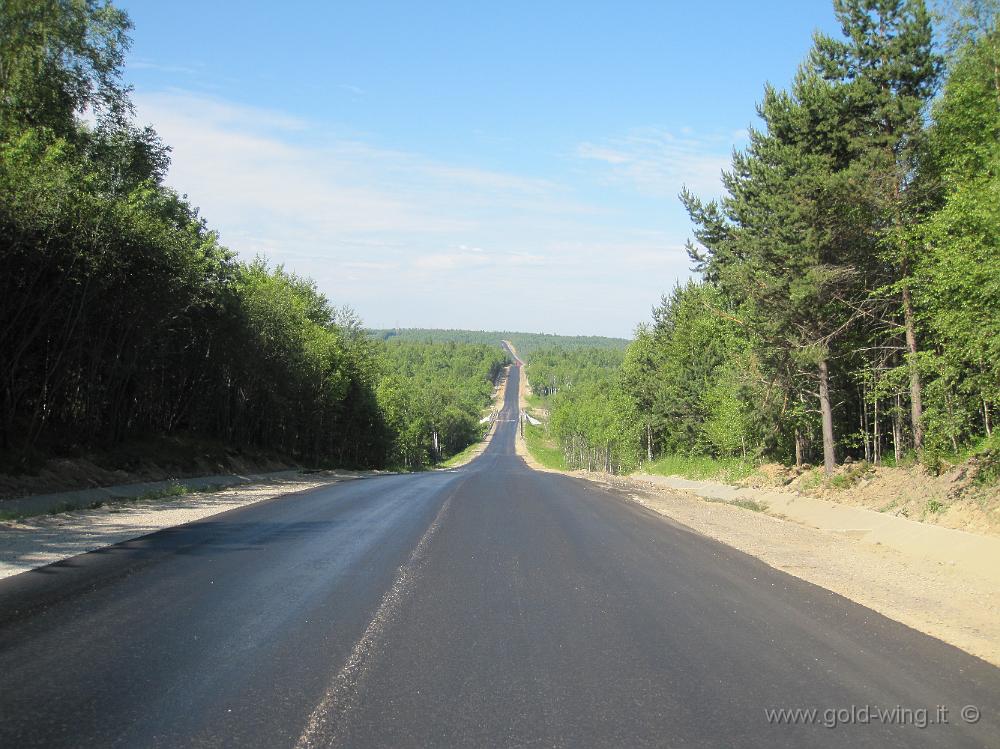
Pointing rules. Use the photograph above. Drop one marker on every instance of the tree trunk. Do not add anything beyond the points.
(826, 410)
(876, 446)
(800, 448)
(897, 432)
(916, 400)
(864, 424)
(649, 440)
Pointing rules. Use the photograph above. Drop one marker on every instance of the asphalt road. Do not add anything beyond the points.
(487, 606)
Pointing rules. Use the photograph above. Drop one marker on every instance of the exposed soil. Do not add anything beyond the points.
(953, 499)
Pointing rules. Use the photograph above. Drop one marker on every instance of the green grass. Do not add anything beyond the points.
(987, 451)
(701, 467)
(891, 506)
(812, 480)
(534, 401)
(543, 449)
(934, 506)
(459, 458)
(851, 476)
(174, 490)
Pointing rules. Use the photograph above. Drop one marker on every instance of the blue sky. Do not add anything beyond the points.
(475, 165)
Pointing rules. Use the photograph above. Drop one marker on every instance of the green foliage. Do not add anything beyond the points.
(934, 506)
(989, 470)
(958, 277)
(543, 448)
(459, 458)
(436, 388)
(525, 343)
(849, 476)
(58, 59)
(701, 467)
(591, 419)
(124, 317)
(746, 504)
(690, 380)
(701, 378)
(851, 272)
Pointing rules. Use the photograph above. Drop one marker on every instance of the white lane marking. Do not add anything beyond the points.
(342, 693)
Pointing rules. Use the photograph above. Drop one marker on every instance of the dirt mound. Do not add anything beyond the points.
(958, 497)
(770, 475)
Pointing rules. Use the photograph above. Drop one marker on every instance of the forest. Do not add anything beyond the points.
(846, 303)
(123, 316)
(524, 343)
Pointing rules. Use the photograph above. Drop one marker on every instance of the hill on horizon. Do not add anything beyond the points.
(525, 343)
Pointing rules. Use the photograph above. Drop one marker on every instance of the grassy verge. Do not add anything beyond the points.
(543, 449)
(700, 467)
(460, 458)
(534, 401)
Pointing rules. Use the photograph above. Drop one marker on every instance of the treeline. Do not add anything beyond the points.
(525, 343)
(849, 293)
(121, 314)
(434, 397)
(554, 370)
(590, 415)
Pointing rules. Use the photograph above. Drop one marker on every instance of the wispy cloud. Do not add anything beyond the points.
(408, 238)
(162, 68)
(351, 89)
(659, 162)
(476, 257)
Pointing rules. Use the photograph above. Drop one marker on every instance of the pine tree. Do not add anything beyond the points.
(887, 70)
(785, 238)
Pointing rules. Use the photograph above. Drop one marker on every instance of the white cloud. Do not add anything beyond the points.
(660, 163)
(160, 68)
(412, 240)
(476, 257)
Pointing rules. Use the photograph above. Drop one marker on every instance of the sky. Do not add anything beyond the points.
(501, 165)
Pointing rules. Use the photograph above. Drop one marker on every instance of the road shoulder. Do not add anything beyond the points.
(35, 542)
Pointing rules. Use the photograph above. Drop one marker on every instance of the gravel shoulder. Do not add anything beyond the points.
(37, 541)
